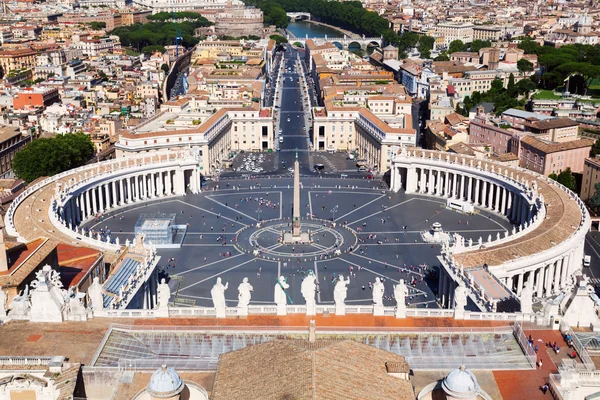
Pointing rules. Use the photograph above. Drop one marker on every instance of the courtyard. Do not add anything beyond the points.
(357, 229)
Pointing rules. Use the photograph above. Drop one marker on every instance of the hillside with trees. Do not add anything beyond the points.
(141, 36)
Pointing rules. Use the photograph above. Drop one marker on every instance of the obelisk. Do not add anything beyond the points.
(296, 231)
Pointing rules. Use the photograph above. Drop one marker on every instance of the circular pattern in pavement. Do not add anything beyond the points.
(323, 239)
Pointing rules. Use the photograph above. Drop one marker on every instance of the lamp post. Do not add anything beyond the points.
(333, 211)
(258, 212)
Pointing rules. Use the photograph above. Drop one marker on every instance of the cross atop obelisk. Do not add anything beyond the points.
(296, 231)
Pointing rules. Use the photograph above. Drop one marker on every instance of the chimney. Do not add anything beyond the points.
(312, 336)
(3, 259)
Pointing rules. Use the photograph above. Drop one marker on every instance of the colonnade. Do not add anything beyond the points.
(491, 187)
(105, 194)
(548, 278)
(479, 190)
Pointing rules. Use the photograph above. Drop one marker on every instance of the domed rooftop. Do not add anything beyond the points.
(461, 384)
(165, 383)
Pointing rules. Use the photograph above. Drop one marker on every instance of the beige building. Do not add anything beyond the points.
(453, 31)
(11, 60)
(591, 177)
(486, 32)
(214, 136)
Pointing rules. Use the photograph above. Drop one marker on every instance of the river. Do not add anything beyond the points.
(301, 28)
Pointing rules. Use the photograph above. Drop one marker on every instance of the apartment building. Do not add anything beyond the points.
(487, 32)
(455, 31)
(546, 157)
(11, 60)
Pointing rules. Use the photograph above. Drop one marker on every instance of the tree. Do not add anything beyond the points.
(96, 25)
(425, 46)
(479, 44)
(456, 45)
(524, 65)
(443, 56)
(278, 39)
(529, 45)
(510, 88)
(595, 150)
(567, 179)
(47, 157)
(595, 199)
(165, 68)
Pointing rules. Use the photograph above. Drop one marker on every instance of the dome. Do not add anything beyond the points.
(461, 384)
(165, 383)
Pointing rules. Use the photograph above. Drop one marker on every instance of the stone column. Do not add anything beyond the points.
(497, 196)
(129, 191)
(454, 186)
(546, 280)
(94, 200)
(477, 180)
(145, 190)
(550, 278)
(88, 208)
(447, 184)
(101, 198)
(510, 282)
(540, 282)
(121, 193)
(179, 182)
(113, 194)
(557, 266)
(490, 196)
(430, 181)
(470, 193)
(107, 193)
(462, 191)
(509, 204)
(565, 269)
(160, 185)
(168, 184)
(520, 284)
(438, 189)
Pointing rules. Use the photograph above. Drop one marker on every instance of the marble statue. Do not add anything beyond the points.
(400, 293)
(218, 297)
(20, 305)
(378, 290)
(308, 289)
(76, 310)
(95, 295)
(244, 293)
(163, 294)
(2, 303)
(49, 301)
(526, 299)
(340, 291)
(460, 297)
(280, 295)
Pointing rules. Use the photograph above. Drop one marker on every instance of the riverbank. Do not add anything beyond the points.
(338, 29)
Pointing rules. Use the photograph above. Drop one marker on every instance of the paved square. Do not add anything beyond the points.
(377, 233)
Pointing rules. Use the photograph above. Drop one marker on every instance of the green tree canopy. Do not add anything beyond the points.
(524, 65)
(567, 179)
(443, 56)
(479, 44)
(595, 199)
(278, 39)
(47, 157)
(96, 25)
(425, 46)
(456, 45)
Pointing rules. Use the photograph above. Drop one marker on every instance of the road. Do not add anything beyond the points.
(293, 116)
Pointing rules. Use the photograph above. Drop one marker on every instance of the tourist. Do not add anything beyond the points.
(544, 388)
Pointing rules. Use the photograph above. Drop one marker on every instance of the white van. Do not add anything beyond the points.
(280, 139)
(587, 260)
